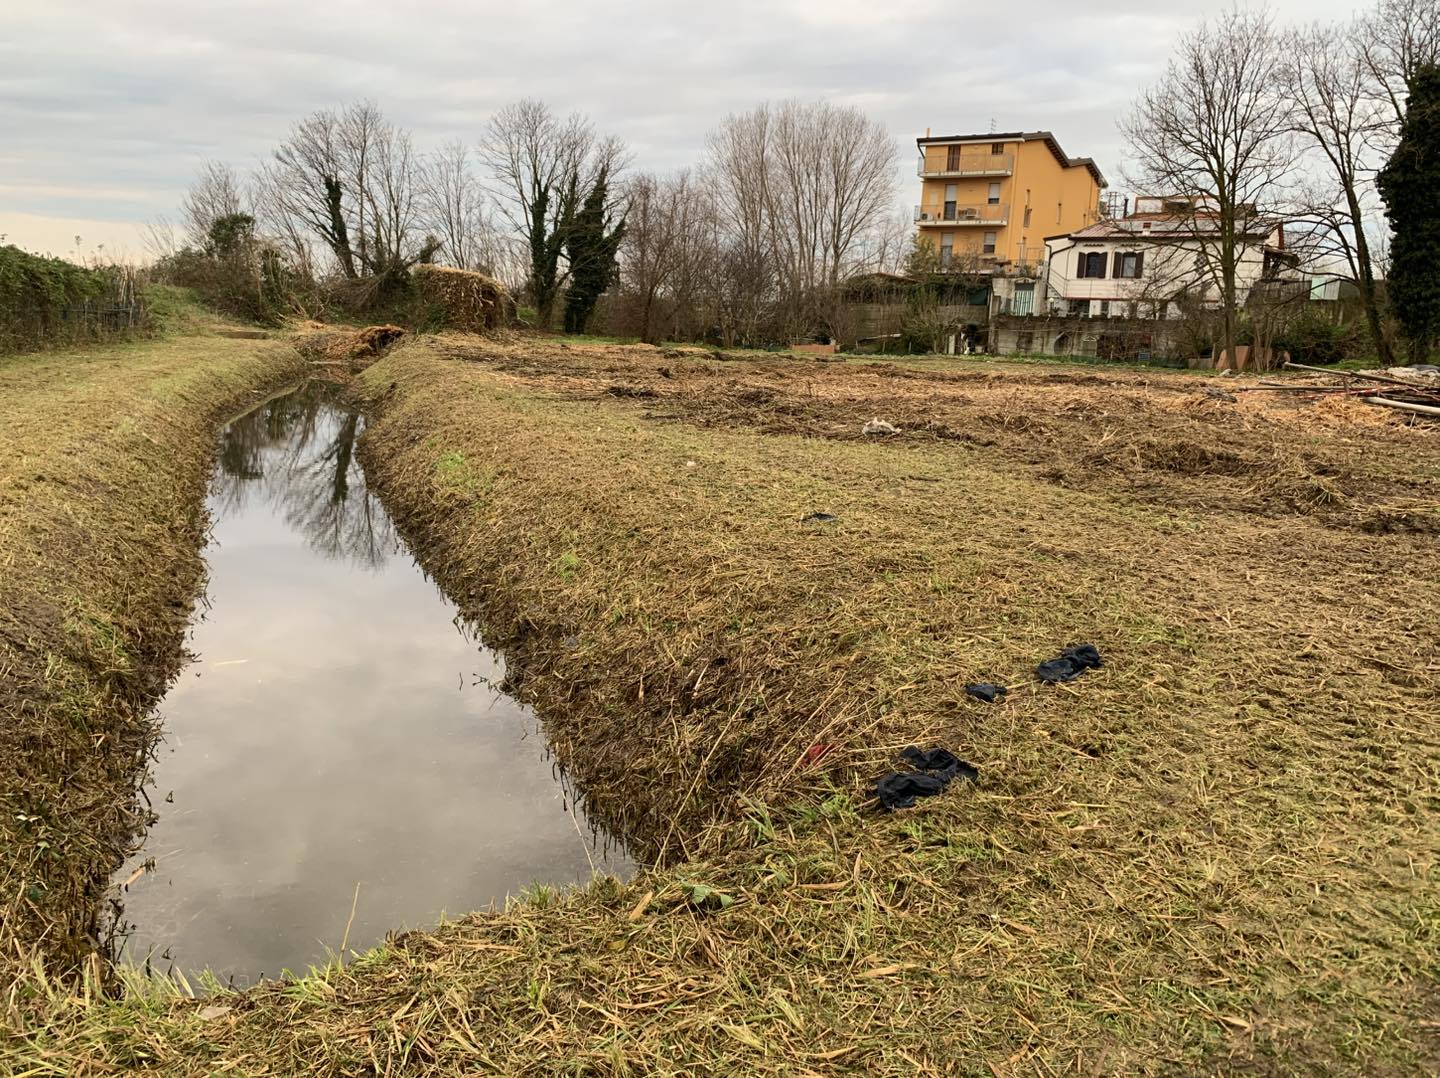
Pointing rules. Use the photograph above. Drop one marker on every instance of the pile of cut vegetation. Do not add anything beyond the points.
(341, 345)
(466, 300)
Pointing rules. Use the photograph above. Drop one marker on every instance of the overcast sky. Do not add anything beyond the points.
(106, 109)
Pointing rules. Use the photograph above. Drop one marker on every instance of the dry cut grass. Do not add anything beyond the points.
(1217, 854)
(103, 464)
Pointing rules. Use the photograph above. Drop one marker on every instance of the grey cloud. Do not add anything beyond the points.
(149, 89)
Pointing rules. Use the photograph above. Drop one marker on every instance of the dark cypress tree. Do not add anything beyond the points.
(591, 245)
(1410, 186)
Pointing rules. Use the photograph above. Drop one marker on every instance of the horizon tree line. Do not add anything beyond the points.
(752, 244)
(747, 248)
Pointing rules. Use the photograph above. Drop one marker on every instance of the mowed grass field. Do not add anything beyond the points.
(1216, 854)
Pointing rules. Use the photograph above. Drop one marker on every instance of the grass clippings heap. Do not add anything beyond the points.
(467, 301)
(345, 346)
(1215, 854)
(104, 460)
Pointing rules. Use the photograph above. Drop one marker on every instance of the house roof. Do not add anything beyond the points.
(1021, 136)
(1162, 226)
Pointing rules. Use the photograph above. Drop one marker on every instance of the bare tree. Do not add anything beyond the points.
(1214, 131)
(858, 176)
(384, 174)
(1398, 39)
(736, 170)
(543, 165)
(801, 186)
(653, 239)
(307, 184)
(1326, 76)
(669, 262)
(274, 220)
(886, 246)
(454, 209)
(215, 193)
(348, 179)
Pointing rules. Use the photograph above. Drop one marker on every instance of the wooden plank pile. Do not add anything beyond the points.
(1408, 389)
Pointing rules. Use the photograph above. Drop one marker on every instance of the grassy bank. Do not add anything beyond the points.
(1217, 853)
(104, 458)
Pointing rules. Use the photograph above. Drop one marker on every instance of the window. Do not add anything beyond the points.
(947, 248)
(1129, 264)
(1027, 216)
(949, 202)
(994, 197)
(1090, 264)
(997, 147)
(952, 159)
(989, 246)
(1104, 308)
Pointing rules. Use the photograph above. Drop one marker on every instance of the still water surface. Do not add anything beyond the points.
(338, 728)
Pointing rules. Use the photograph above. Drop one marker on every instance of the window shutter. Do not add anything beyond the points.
(1118, 265)
(1140, 264)
(1080, 265)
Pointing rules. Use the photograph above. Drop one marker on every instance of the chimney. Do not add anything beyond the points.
(927, 132)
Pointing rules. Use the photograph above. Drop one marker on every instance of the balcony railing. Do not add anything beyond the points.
(967, 164)
(996, 213)
(1030, 256)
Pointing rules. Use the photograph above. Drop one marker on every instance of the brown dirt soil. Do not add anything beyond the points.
(1162, 437)
(104, 457)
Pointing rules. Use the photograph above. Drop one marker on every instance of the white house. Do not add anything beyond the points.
(1137, 266)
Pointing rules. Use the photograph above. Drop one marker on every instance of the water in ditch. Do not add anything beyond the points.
(336, 758)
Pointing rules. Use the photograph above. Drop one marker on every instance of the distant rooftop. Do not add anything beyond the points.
(1020, 136)
(1179, 226)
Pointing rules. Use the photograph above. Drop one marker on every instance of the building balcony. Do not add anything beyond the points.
(994, 214)
(968, 164)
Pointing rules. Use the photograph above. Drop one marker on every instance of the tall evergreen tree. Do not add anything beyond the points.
(1410, 186)
(591, 245)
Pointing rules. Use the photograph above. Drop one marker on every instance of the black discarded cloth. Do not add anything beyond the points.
(937, 768)
(984, 690)
(899, 789)
(1071, 663)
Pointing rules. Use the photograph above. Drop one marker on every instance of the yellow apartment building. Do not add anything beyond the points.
(994, 198)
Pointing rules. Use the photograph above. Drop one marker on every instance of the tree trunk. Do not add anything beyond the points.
(1227, 297)
(645, 314)
(340, 237)
(1366, 281)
